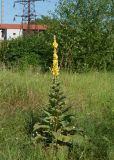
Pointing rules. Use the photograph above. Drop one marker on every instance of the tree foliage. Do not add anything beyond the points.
(28, 50)
(85, 31)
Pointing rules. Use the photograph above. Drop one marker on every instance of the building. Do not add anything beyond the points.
(12, 31)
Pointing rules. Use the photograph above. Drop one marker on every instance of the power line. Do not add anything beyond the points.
(29, 13)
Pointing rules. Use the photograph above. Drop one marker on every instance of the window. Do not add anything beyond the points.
(2, 35)
(14, 34)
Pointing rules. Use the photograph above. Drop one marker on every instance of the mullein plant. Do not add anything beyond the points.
(55, 123)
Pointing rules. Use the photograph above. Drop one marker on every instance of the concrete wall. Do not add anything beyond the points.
(13, 33)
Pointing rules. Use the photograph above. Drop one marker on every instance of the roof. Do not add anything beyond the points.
(23, 26)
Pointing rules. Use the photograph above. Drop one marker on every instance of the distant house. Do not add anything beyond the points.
(12, 31)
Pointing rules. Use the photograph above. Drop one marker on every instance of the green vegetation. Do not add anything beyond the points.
(54, 126)
(85, 32)
(26, 51)
(24, 95)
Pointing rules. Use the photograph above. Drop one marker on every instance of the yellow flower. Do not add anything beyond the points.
(55, 44)
(55, 68)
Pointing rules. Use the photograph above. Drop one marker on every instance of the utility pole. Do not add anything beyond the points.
(29, 13)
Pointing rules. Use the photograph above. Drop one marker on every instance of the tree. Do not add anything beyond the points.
(86, 33)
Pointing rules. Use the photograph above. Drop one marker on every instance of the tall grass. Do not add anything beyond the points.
(91, 96)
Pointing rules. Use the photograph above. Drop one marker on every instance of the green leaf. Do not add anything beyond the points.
(62, 138)
(47, 113)
(38, 126)
(70, 129)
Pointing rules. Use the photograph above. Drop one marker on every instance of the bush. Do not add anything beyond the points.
(28, 50)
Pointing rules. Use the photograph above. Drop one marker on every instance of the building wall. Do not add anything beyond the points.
(13, 33)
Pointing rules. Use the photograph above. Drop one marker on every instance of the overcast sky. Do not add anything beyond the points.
(42, 8)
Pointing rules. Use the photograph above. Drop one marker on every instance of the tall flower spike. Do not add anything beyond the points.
(55, 68)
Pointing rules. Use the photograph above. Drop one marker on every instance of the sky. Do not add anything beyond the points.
(42, 8)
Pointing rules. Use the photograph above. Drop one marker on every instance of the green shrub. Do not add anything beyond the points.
(31, 50)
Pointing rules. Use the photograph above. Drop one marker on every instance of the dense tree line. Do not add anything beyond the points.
(85, 32)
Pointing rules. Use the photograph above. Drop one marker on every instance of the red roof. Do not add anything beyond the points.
(23, 26)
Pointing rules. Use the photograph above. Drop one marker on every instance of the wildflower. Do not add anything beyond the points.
(55, 68)
(54, 127)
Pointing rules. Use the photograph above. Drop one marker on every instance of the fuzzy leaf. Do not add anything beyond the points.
(70, 129)
(45, 121)
(47, 113)
(62, 138)
(39, 126)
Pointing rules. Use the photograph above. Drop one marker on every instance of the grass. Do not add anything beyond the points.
(91, 96)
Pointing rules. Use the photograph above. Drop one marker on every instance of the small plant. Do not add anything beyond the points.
(55, 124)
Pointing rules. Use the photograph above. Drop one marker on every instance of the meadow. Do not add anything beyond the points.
(91, 97)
